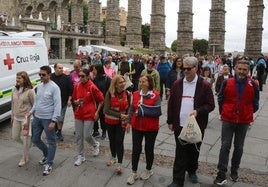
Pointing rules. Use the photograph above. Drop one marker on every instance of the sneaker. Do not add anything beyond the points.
(96, 134)
(220, 179)
(43, 161)
(59, 136)
(119, 169)
(146, 174)
(103, 136)
(111, 162)
(234, 176)
(80, 160)
(48, 170)
(23, 162)
(193, 178)
(96, 149)
(132, 178)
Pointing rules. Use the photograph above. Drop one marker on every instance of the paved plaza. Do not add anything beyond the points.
(95, 173)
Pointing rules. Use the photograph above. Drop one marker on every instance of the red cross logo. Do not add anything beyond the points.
(9, 61)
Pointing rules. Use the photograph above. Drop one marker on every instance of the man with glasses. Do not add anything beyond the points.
(46, 111)
(191, 95)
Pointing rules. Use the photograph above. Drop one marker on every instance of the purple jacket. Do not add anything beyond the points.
(203, 103)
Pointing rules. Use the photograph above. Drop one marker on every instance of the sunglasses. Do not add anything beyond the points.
(149, 63)
(42, 74)
(81, 76)
(188, 69)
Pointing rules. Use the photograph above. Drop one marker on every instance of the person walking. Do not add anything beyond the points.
(261, 70)
(238, 99)
(85, 96)
(22, 100)
(117, 102)
(174, 74)
(66, 90)
(191, 95)
(46, 111)
(139, 67)
(143, 127)
(163, 68)
(102, 81)
(150, 70)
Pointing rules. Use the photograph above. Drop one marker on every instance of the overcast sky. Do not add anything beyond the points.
(235, 21)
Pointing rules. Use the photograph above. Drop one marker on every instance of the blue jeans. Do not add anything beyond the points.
(38, 125)
(230, 130)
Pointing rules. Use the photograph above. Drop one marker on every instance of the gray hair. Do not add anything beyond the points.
(192, 61)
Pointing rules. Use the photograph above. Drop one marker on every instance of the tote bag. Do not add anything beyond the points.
(190, 133)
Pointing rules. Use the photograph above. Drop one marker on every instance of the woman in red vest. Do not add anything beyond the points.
(117, 102)
(146, 127)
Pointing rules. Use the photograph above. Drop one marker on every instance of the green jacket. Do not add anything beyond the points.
(155, 76)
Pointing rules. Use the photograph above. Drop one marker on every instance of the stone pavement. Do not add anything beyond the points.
(94, 173)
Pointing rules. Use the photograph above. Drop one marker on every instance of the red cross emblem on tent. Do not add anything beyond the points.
(9, 61)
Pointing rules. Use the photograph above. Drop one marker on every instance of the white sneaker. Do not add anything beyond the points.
(132, 178)
(48, 170)
(96, 149)
(146, 174)
(80, 160)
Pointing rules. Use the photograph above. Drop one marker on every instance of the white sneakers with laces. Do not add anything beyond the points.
(96, 149)
(132, 178)
(48, 170)
(80, 160)
(146, 174)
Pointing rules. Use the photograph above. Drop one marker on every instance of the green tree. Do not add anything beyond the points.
(174, 46)
(145, 30)
(200, 46)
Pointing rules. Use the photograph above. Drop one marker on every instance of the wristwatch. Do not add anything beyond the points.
(53, 121)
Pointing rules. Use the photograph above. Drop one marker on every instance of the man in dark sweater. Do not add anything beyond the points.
(66, 89)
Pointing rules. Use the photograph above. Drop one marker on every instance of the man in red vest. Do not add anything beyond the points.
(238, 99)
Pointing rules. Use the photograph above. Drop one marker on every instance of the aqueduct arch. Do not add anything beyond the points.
(51, 9)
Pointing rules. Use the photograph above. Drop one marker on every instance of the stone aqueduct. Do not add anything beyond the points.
(52, 8)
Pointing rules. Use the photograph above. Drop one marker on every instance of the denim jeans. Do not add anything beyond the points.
(38, 125)
(230, 130)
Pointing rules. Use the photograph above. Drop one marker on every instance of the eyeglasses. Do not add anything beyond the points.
(42, 74)
(188, 69)
(149, 63)
(81, 76)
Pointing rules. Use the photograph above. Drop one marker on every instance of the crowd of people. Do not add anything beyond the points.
(110, 90)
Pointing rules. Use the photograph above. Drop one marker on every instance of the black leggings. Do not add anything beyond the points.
(137, 137)
(116, 137)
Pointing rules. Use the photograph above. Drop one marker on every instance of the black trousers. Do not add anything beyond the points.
(137, 137)
(102, 123)
(116, 139)
(186, 159)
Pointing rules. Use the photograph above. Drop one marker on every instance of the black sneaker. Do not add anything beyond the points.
(96, 134)
(103, 136)
(43, 161)
(59, 136)
(234, 176)
(193, 178)
(220, 179)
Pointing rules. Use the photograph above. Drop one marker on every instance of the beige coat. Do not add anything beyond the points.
(21, 103)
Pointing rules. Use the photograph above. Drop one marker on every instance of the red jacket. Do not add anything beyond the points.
(145, 123)
(90, 94)
(237, 110)
(118, 105)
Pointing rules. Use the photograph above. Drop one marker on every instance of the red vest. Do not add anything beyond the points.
(144, 123)
(119, 105)
(236, 110)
